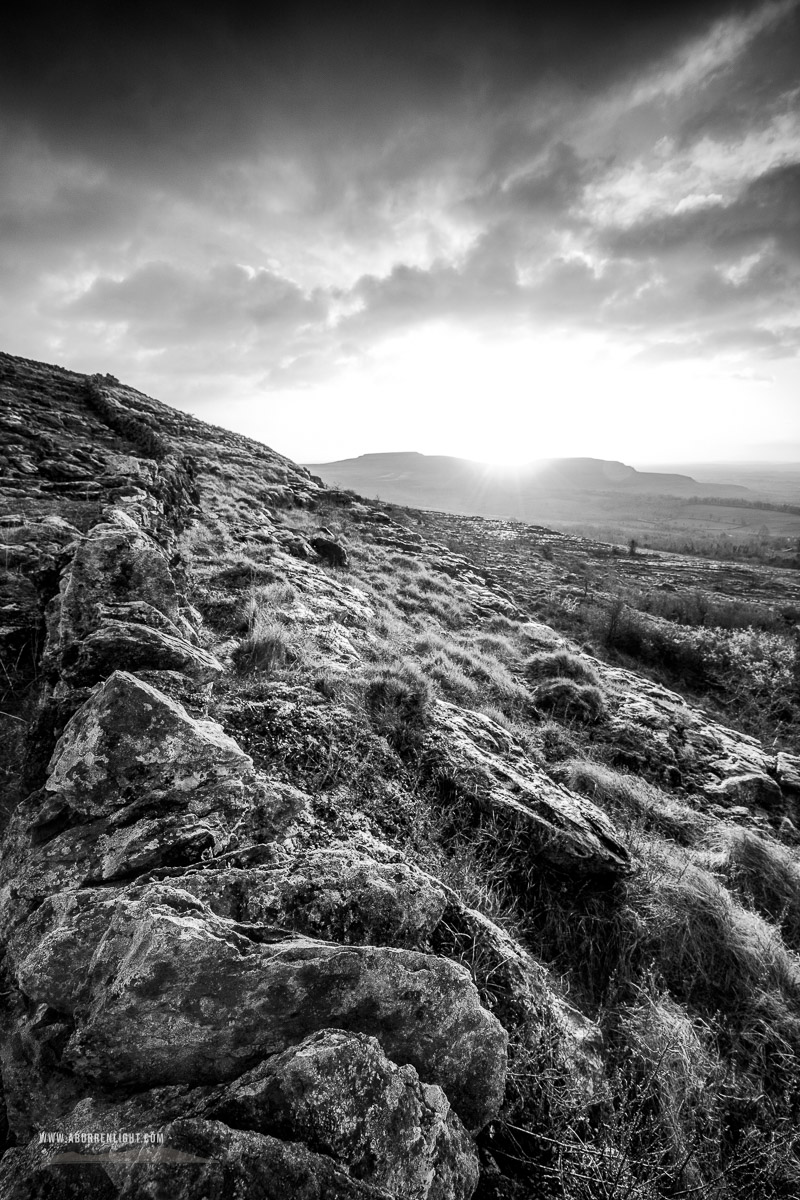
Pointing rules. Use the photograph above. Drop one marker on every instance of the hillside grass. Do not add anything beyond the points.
(689, 966)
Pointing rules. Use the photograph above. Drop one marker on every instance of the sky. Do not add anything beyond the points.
(500, 231)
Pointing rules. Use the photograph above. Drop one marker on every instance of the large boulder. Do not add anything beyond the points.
(338, 1093)
(135, 783)
(152, 998)
(752, 789)
(129, 739)
(117, 562)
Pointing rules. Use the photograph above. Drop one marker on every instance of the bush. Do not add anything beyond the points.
(559, 664)
(565, 698)
(713, 953)
(397, 699)
(265, 648)
(764, 873)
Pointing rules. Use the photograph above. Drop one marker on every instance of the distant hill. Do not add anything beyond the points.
(527, 492)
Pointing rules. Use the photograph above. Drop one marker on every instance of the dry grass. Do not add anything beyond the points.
(570, 700)
(763, 872)
(397, 700)
(265, 648)
(560, 664)
(630, 799)
(719, 957)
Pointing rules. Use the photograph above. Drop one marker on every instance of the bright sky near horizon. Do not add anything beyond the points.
(459, 229)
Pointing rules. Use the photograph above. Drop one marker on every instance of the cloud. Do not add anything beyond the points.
(284, 192)
(765, 211)
(162, 305)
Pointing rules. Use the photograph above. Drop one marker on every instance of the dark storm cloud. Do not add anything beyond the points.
(278, 185)
(198, 81)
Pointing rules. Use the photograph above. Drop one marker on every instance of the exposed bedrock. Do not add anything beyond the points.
(150, 981)
(335, 1091)
(119, 576)
(479, 766)
(135, 783)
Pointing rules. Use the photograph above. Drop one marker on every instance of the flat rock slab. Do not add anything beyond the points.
(482, 763)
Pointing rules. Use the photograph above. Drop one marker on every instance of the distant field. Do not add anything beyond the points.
(714, 517)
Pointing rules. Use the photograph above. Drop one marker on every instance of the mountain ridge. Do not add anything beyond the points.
(529, 491)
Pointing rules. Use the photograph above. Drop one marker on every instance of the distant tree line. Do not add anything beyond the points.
(738, 502)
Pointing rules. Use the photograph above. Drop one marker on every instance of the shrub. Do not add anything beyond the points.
(565, 698)
(265, 648)
(397, 699)
(712, 952)
(559, 664)
(764, 873)
(666, 1082)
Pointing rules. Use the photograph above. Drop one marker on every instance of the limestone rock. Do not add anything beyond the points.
(788, 772)
(197, 1159)
(136, 783)
(480, 763)
(155, 1003)
(129, 738)
(348, 897)
(132, 646)
(116, 562)
(339, 1094)
(752, 789)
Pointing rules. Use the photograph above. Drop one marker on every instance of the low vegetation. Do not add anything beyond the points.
(687, 966)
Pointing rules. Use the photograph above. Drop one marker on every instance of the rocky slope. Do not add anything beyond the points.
(297, 898)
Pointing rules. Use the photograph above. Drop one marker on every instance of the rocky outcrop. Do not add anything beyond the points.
(481, 766)
(343, 1097)
(134, 783)
(153, 1001)
(164, 934)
